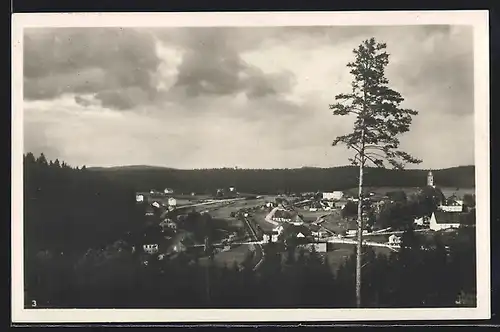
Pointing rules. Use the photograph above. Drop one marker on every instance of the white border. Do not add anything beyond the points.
(477, 19)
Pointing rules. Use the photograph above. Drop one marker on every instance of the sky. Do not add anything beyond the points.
(254, 97)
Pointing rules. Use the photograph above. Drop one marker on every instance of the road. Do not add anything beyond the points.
(259, 251)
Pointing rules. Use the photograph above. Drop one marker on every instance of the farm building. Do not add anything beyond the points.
(421, 221)
(441, 220)
(335, 195)
(452, 205)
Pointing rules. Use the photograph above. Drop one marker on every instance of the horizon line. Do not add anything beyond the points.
(268, 169)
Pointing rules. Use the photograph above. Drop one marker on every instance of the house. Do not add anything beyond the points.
(139, 198)
(441, 220)
(150, 248)
(394, 239)
(452, 205)
(421, 221)
(318, 247)
(319, 234)
(278, 230)
(172, 201)
(168, 191)
(266, 238)
(168, 224)
(335, 195)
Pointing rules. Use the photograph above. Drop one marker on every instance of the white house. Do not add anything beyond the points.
(172, 201)
(452, 208)
(453, 205)
(266, 238)
(168, 191)
(278, 229)
(156, 204)
(421, 221)
(336, 195)
(150, 248)
(139, 198)
(441, 220)
(274, 238)
(394, 239)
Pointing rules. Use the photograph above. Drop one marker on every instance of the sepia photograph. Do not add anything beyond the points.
(250, 166)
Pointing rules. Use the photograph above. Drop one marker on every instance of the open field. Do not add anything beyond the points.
(311, 216)
(342, 251)
(228, 258)
(259, 218)
(335, 223)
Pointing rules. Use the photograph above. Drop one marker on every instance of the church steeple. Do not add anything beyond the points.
(430, 179)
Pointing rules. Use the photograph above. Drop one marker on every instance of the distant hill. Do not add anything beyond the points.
(270, 181)
(128, 167)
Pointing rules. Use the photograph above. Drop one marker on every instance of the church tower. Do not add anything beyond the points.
(430, 179)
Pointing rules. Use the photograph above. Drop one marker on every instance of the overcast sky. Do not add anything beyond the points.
(226, 97)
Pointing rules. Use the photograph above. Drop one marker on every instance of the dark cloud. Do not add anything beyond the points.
(212, 64)
(82, 101)
(87, 60)
(116, 65)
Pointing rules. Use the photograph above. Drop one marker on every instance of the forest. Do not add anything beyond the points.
(76, 256)
(271, 181)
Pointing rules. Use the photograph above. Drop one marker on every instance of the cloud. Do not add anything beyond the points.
(89, 60)
(247, 97)
(212, 65)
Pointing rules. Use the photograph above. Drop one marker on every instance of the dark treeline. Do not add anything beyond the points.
(115, 278)
(269, 181)
(76, 255)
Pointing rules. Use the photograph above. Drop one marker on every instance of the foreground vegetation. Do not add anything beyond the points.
(76, 255)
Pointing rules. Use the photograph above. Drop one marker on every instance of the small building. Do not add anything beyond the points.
(172, 201)
(452, 205)
(394, 239)
(320, 247)
(150, 248)
(266, 238)
(139, 198)
(168, 191)
(441, 220)
(278, 230)
(422, 221)
(335, 195)
(156, 205)
(319, 234)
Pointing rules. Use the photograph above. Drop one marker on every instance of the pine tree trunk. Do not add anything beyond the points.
(360, 236)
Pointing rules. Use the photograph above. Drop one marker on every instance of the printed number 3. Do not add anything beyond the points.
(33, 303)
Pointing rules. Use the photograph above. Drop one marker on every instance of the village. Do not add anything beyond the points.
(319, 221)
